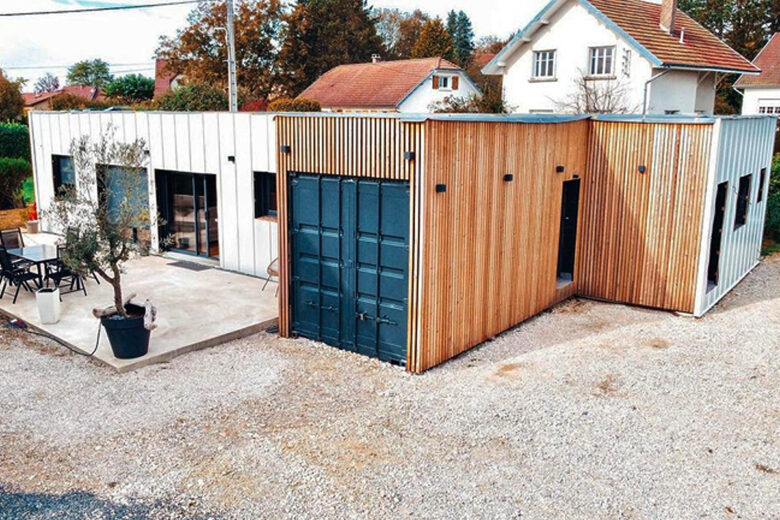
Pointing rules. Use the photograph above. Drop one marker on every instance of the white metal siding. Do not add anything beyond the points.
(186, 142)
(742, 147)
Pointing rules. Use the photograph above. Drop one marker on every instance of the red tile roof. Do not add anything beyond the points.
(768, 60)
(700, 48)
(373, 85)
(86, 92)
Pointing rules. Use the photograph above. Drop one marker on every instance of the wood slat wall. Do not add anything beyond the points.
(371, 146)
(489, 250)
(641, 233)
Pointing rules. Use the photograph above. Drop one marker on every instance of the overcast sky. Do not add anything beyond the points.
(129, 38)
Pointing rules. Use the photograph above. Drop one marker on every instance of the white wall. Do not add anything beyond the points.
(425, 95)
(571, 32)
(740, 147)
(186, 142)
(756, 97)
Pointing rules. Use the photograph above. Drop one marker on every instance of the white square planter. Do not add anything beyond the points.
(48, 300)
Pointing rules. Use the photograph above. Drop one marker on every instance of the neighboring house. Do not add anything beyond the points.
(631, 47)
(42, 101)
(408, 86)
(762, 92)
(164, 78)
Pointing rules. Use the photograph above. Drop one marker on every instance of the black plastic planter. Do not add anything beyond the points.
(128, 337)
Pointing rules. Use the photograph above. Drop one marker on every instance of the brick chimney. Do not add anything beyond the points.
(668, 14)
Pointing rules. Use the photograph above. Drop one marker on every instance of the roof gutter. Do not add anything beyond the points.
(647, 87)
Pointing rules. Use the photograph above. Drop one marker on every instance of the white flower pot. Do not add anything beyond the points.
(48, 300)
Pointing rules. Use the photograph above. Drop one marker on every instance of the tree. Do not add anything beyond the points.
(193, 98)
(597, 97)
(86, 73)
(13, 172)
(198, 52)
(434, 41)
(132, 88)
(399, 31)
(463, 39)
(11, 100)
(47, 83)
(322, 34)
(100, 229)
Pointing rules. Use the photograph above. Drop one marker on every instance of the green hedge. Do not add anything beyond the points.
(772, 230)
(294, 105)
(13, 173)
(14, 141)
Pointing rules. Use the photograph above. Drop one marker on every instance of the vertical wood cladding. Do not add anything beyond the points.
(489, 250)
(641, 232)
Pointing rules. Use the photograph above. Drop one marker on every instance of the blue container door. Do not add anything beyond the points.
(349, 243)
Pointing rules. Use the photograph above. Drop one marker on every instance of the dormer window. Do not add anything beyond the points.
(442, 82)
(602, 61)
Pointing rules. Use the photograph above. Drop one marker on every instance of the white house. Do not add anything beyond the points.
(409, 86)
(762, 92)
(653, 56)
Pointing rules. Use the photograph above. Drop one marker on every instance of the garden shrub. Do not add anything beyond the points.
(13, 172)
(772, 229)
(294, 105)
(14, 141)
(193, 98)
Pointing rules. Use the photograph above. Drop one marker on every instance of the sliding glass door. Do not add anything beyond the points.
(188, 204)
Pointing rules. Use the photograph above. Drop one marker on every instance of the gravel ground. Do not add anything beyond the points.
(591, 410)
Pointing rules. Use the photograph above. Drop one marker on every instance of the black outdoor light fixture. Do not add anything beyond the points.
(232, 158)
(560, 169)
(509, 177)
(409, 156)
(441, 188)
(285, 148)
(642, 169)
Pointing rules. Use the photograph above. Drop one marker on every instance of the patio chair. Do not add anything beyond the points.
(13, 239)
(272, 270)
(15, 276)
(58, 273)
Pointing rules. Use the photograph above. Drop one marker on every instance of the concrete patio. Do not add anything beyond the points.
(196, 308)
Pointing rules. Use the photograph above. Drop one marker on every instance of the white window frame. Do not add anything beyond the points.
(769, 106)
(600, 57)
(445, 82)
(545, 65)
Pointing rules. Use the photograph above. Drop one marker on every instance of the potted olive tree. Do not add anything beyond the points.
(100, 218)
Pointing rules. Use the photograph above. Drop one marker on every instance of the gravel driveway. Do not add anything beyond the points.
(589, 411)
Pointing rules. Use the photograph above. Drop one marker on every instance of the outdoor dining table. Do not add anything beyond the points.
(39, 255)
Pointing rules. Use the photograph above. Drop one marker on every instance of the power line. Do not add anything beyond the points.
(99, 9)
(41, 67)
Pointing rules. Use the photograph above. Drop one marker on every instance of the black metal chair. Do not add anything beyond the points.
(15, 276)
(58, 273)
(13, 239)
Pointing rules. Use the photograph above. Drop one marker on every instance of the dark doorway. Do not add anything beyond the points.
(567, 244)
(713, 266)
(188, 204)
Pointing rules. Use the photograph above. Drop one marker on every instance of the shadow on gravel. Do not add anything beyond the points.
(83, 505)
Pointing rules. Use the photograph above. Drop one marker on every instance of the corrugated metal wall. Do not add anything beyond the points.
(742, 146)
(186, 142)
(642, 231)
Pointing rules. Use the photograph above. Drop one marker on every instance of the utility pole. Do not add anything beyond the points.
(231, 48)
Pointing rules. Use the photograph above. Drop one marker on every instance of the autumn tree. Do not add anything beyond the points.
(90, 73)
(11, 100)
(199, 53)
(434, 41)
(47, 83)
(399, 31)
(321, 34)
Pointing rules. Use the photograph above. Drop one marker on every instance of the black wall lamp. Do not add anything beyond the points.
(232, 158)
(441, 188)
(285, 148)
(560, 169)
(509, 177)
(642, 169)
(409, 156)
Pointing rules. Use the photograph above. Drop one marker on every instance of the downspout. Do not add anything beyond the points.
(647, 85)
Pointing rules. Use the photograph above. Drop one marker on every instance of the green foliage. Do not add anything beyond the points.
(294, 105)
(28, 191)
(14, 141)
(322, 34)
(193, 98)
(460, 29)
(772, 229)
(11, 100)
(434, 42)
(90, 73)
(13, 172)
(490, 102)
(132, 88)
